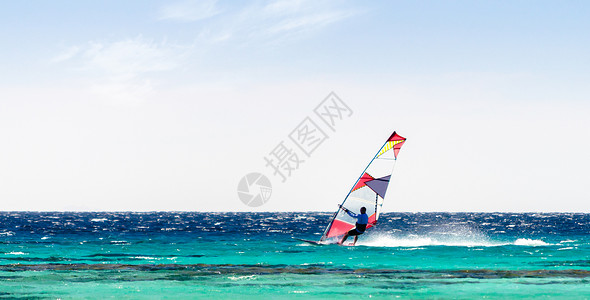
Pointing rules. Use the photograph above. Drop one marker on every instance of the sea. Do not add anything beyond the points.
(197, 255)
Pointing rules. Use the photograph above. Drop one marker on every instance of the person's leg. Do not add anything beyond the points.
(343, 239)
(356, 237)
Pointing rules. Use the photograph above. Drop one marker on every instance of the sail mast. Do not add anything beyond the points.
(324, 235)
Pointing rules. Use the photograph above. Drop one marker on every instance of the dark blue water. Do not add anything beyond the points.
(253, 255)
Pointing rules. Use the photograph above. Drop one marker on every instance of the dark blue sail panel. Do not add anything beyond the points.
(379, 185)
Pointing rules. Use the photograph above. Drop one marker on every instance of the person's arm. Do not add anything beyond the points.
(348, 211)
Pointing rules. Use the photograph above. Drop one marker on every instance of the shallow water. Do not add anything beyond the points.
(252, 255)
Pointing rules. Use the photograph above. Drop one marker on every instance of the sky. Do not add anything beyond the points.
(167, 105)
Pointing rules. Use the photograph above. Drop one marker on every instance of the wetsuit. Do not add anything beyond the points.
(361, 223)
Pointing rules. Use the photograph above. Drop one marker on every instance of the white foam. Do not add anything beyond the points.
(120, 242)
(442, 235)
(99, 220)
(416, 242)
(245, 277)
(456, 235)
(15, 253)
(304, 244)
(530, 242)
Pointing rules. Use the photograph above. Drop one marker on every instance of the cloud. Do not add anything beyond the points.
(262, 21)
(128, 68)
(131, 57)
(305, 22)
(189, 10)
(121, 71)
(284, 6)
(287, 17)
(66, 54)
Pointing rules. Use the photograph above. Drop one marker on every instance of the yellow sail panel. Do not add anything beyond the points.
(388, 146)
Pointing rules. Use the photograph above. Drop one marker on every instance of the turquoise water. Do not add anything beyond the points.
(252, 255)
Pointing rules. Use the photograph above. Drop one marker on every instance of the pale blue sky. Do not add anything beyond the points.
(137, 105)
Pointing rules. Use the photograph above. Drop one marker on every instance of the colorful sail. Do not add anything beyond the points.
(369, 190)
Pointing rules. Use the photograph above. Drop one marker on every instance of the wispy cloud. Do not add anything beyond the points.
(305, 22)
(267, 20)
(131, 57)
(189, 10)
(297, 16)
(126, 70)
(120, 70)
(284, 6)
(67, 54)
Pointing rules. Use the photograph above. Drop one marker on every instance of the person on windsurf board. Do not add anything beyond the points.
(370, 187)
(361, 224)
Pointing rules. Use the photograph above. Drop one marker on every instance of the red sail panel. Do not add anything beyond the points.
(371, 221)
(366, 177)
(397, 138)
(339, 228)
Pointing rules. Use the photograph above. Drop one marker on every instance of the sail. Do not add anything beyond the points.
(369, 190)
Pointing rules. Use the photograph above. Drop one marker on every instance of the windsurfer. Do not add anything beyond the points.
(361, 224)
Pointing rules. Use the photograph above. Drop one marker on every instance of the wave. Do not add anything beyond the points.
(442, 235)
(99, 220)
(530, 242)
(416, 242)
(15, 253)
